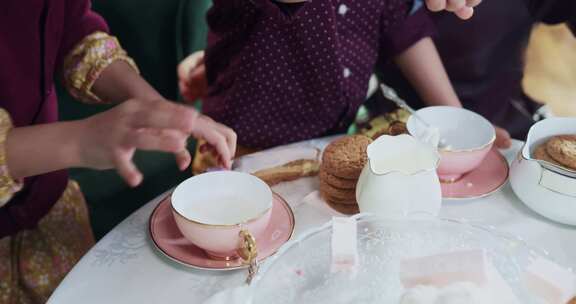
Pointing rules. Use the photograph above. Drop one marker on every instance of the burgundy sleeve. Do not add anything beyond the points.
(79, 21)
(402, 35)
(229, 23)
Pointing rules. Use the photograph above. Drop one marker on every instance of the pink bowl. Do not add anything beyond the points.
(468, 135)
(453, 164)
(212, 209)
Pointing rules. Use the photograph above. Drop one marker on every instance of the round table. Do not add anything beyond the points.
(125, 267)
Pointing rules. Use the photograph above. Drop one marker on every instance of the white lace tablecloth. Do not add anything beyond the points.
(124, 267)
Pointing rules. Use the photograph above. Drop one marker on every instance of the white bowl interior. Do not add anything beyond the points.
(459, 128)
(222, 198)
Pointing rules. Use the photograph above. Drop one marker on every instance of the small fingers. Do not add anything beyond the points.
(197, 76)
(436, 5)
(219, 136)
(127, 170)
(473, 3)
(455, 5)
(196, 86)
(465, 13)
(189, 64)
(206, 148)
(230, 137)
(157, 140)
(162, 114)
(183, 159)
(464, 9)
(218, 142)
(171, 141)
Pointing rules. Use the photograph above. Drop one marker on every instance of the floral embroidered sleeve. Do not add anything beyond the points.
(8, 186)
(88, 60)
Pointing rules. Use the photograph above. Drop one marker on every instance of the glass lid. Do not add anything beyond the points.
(301, 271)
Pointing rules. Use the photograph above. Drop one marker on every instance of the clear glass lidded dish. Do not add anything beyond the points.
(301, 271)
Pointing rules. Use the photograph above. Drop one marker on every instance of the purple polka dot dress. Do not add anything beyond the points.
(283, 73)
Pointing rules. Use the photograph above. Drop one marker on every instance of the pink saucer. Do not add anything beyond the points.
(168, 239)
(490, 176)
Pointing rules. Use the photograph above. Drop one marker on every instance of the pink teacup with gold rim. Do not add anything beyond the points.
(467, 137)
(223, 212)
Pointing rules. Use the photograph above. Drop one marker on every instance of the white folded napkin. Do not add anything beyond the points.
(237, 295)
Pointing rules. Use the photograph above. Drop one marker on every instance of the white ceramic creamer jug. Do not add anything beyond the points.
(400, 178)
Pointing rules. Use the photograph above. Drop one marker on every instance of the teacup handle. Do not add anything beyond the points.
(249, 253)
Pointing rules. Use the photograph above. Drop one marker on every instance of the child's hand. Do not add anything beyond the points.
(462, 8)
(220, 139)
(503, 139)
(192, 77)
(109, 139)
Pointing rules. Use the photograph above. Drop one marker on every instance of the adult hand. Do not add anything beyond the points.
(462, 8)
(109, 139)
(192, 77)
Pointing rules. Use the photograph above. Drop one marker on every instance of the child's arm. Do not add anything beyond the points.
(93, 65)
(96, 69)
(109, 140)
(120, 82)
(423, 68)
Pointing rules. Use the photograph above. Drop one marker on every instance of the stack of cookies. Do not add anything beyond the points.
(559, 150)
(342, 163)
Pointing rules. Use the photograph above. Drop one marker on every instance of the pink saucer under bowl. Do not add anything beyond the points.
(169, 240)
(486, 179)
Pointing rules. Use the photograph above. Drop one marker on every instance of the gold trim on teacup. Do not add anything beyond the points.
(228, 267)
(290, 214)
(471, 149)
(562, 170)
(221, 258)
